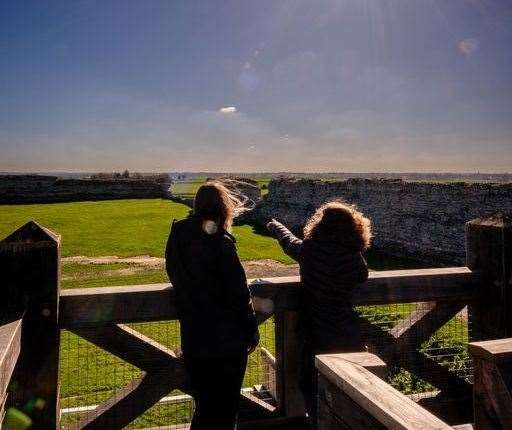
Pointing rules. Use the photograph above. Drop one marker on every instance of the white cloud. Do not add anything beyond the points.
(468, 46)
(228, 109)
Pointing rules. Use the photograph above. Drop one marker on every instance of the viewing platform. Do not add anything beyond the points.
(439, 348)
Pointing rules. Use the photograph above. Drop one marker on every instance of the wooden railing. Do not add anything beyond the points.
(353, 396)
(100, 315)
(30, 257)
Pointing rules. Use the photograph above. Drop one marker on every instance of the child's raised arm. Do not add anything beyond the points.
(291, 244)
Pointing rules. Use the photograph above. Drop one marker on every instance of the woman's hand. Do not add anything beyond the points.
(254, 342)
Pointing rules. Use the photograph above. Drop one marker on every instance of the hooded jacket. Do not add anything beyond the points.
(329, 272)
(212, 298)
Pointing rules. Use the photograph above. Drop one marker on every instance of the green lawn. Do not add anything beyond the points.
(188, 187)
(123, 228)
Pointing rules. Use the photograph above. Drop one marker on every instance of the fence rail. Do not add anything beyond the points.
(100, 315)
(155, 302)
(352, 396)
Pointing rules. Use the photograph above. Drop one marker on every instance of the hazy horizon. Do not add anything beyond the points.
(348, 86)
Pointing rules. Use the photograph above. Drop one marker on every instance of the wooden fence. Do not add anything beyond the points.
(353, 395)
(30, 260)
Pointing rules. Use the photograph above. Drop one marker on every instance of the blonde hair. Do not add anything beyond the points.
(340, 222)
(215, 201)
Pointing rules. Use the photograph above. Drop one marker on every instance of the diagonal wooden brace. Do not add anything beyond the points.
(402, 343)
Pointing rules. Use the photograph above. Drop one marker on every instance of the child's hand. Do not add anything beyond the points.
(271, 224)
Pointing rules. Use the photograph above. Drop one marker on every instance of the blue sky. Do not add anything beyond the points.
(281, 85)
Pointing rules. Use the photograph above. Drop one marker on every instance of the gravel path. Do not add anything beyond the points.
(253, 268)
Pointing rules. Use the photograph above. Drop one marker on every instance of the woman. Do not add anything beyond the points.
(218, 326)
(331, 264)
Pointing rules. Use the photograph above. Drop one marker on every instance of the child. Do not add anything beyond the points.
(331, 265)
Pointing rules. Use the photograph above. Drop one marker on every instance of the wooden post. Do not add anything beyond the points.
(29, 262)
(288, 360)
(492, 384)
(489, 250)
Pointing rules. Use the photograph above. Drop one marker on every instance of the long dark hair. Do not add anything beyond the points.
(214, 201)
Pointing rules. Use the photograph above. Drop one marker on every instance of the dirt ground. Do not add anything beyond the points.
(254, 269)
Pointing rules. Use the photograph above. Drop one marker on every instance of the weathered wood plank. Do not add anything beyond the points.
(269, 372)
(288, 357)
(10, 344)
(492, 350)
(489, 250)
(253, 409)
(419, 285)
(137, 303)
(386, 346)
(492, 384)
(337, 411)
(155, 302)
(451, 409)
(30, 267)
(424, 322)
(131, 346)
(128, 403)
(370, 362)
(388, 406)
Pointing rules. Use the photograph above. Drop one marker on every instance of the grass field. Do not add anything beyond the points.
(188, 188)
(123, 228)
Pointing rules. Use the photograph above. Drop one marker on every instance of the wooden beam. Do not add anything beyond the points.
(10, 344)
(252, 408)
(30, 267)
(337, 411)
(386, 346)
(418, 285)
(370, 362)
(491, 350)
(451, 409)
(128, 403)
(489, 250)
(288, 358)
(269, 372)
(423, 322)
(492, 384)
(387, 406)
(82, 307)
(132, 347)
(155, 302)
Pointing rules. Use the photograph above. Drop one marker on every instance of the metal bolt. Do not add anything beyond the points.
(46, 312)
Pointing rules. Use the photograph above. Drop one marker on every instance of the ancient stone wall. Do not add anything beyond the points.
(17, 189)
(424, 221)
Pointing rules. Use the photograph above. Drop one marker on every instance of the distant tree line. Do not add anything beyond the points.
(153, 177)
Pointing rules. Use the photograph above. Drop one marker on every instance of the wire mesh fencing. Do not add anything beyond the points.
(90, 375)
(422, 358)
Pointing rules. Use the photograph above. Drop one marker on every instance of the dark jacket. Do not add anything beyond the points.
(212, 298)
(329, 272)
